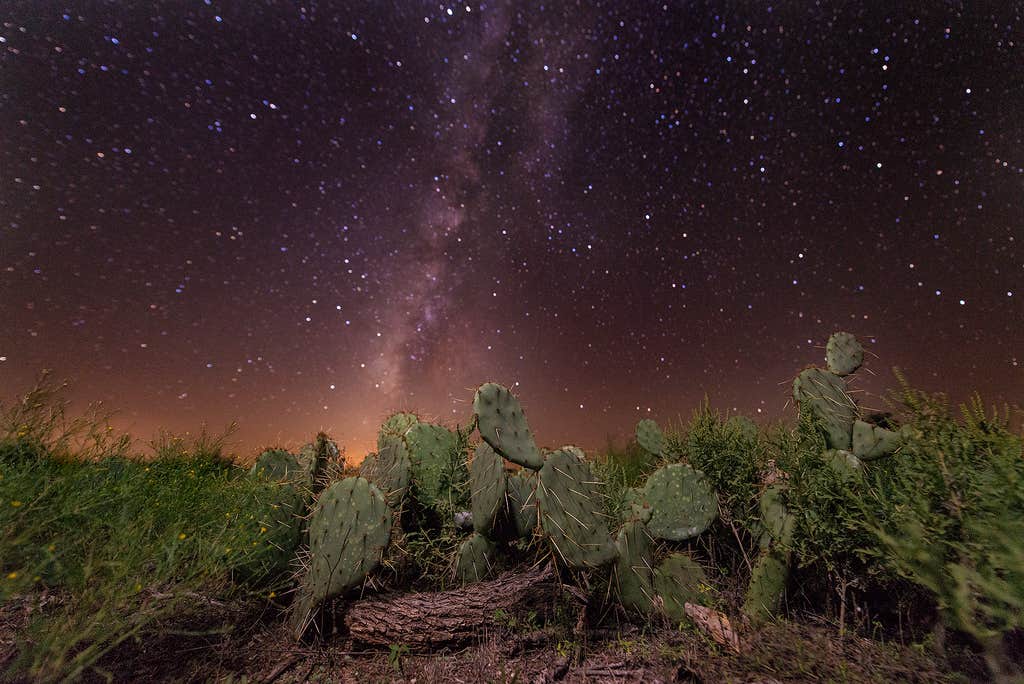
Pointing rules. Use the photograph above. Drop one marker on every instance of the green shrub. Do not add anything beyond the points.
(731, 457)
(947, 513)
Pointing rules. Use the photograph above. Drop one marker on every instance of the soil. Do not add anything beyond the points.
(248, 643)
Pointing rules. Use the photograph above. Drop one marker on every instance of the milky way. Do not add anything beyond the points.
(303, 216)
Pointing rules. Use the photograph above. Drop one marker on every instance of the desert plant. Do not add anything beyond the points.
(948, 514)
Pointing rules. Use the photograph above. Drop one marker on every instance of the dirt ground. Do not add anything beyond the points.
(244, 643)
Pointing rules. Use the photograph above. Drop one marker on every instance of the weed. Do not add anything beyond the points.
(395, 654)
(123, 542)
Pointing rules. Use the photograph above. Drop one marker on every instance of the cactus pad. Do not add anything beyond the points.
(871, 442)
(571, 512)
(635, 507)
(682, 502)
(680, 580)
(280, 466)
(634, 571)
(503, 425)
(389, 470)
(434, 457)
(522, 503)
(824, 395)
(348, 531)
(367, 465)
(487, 487)
(396, 425)
(475, 559)
(648, 436)
(280, 536)
(767, 586)
(778, 522)
(743, 426)
(317, 458)
(843, 353)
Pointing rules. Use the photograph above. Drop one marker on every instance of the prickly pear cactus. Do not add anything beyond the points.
(682, 502)
(871, 442)
(348, 531)
(278, 465)
(778, 522)
(635, 507)
(767, 586)
(396, 425)
(279, 537)
(634, 567)
(367, 465)
(487, 487)
(743, 426)
(843, 463)
(522, 503)
(389, 470)
(571, 512)
(680, 580)
(843, 353)
(433, 454)
(648, 436)
(503, 425)
(824, 395)
(317, 457)
(575, 451)
(475, 559)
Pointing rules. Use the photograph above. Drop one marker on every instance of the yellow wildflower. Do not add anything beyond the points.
(16, 503)
(12, 575)
(182, 536)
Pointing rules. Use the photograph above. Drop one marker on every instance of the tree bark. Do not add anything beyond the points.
(448, 617)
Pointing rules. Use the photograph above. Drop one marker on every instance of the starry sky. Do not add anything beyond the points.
(304, 215)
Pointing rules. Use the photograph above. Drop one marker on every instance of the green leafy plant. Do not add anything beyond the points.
(123, 542)
(730, 457)
(948, 514)
(395, 654)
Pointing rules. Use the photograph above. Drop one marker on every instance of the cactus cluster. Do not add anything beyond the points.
(564, 502)
(512, 496)
(823, 393)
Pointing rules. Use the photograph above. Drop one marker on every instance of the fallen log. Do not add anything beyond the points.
(448, 617)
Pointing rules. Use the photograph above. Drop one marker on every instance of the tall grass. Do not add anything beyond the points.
(118, 543)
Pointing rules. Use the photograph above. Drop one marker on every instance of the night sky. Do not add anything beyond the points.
(305, 215)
